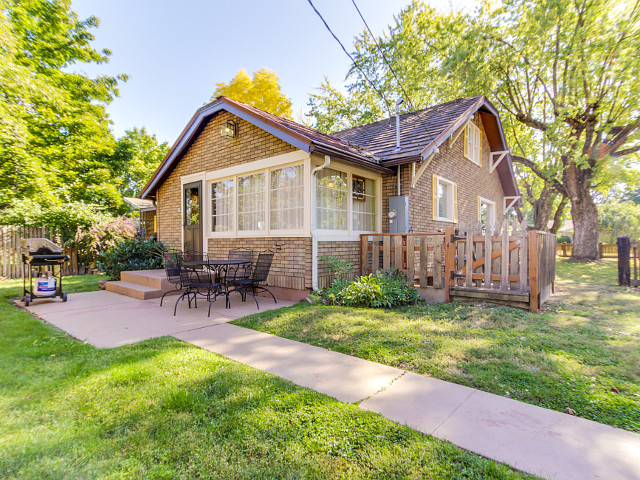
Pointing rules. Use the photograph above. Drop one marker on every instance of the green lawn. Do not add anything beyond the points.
(582, 353)
(163, 409)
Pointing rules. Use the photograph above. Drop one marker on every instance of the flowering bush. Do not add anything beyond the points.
(102, 236)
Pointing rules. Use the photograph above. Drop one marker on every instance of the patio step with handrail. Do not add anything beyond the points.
(141, 284)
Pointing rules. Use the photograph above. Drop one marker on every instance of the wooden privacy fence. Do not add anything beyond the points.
(605, 250)
(513, 266)
(11, 254)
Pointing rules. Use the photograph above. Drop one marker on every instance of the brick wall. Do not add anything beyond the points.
(209, 152)
(148, 223)
(348, 251)
(450, 164)
(291, 267)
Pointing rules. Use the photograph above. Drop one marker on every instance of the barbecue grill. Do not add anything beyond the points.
(43, 260)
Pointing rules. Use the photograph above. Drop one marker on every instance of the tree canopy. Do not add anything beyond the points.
(563, 75)
(262, 91)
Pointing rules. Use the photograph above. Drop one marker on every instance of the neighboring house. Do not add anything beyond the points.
(147, 215)
(241, 177)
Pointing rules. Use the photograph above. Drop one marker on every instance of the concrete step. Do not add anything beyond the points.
(141, 292)
(150, 278)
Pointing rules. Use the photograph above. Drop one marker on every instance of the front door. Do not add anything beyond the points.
(192, 218)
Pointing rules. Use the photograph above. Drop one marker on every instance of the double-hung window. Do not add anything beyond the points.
(445, 199)
(345, 202)
(270, 200)
(486, 212)
(473, 143)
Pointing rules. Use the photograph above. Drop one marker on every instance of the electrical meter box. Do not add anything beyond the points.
(399, 214)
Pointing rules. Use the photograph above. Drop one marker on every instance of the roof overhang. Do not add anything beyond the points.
(497, 141)
(144, 205)
(202, 116)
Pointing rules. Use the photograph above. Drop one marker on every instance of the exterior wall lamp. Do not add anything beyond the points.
(229, 129)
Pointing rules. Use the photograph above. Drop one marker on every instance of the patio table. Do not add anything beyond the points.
(218, 267)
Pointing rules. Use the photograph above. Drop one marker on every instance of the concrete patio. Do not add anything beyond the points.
(532, 439)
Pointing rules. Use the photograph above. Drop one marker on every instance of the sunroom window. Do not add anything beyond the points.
(251, 202)
(332, 194)
(287, 200)
(222, 206)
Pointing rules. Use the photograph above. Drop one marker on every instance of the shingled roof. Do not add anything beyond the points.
(372, 145)
(417, 130)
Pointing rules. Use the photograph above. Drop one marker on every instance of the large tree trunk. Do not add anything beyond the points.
(542, 208)
(585, 225)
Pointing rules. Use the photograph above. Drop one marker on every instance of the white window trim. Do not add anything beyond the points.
(212, 177)
(350, 234)
(452, 198)
(491, 203)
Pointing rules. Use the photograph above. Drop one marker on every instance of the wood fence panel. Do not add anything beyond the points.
(437, 264)
(469, 257)
(524, 255)
(424, 261)
(375, 254)
(504, 257)
(411, 260)
(364, 255)
(398, 244)
(386, 252)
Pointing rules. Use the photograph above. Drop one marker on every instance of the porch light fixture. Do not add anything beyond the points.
(229, 129)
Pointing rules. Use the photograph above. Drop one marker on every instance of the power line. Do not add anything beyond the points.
(406, 95)
(380, 94)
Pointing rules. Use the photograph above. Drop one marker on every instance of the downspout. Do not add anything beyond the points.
(399, 102)
(314, 237)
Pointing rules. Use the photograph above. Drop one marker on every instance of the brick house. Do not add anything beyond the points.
(241, 177)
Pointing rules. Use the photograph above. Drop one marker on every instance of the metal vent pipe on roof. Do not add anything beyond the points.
(398, 103)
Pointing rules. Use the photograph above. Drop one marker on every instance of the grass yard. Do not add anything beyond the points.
(163, 409)
(582, 353)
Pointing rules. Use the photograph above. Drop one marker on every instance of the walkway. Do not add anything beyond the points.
(532, 439)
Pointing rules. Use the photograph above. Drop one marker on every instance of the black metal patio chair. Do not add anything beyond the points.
(240, 271)
(171, 260)
(254, 283)
(197, 279)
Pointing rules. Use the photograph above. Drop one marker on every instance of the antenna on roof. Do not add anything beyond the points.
(398, 103)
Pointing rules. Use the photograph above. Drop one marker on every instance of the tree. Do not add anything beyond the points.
(54, 124)
(136, 156)
(563, 75)
(262, 91)
(622, 218)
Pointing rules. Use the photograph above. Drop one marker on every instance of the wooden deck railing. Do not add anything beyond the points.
(511, 265)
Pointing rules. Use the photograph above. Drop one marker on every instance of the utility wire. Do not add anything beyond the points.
(380, 94)
(384, 57)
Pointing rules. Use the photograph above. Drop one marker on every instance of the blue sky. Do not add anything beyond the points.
(175, 52)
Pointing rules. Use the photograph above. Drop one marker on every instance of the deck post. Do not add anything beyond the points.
(533, 271)
(364, 254)
(449, 260)
(624, 270)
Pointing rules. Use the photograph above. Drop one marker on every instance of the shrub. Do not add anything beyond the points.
(130, 254)
(102, 236)
(387, 288)
(564, 239)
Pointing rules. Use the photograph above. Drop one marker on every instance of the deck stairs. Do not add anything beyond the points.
(141, 284)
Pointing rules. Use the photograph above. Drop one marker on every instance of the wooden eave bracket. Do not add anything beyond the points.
(510, 202)
(493, 162)
(416, 174)
(453, 138)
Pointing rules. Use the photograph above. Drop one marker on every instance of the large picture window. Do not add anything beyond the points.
(287, 201)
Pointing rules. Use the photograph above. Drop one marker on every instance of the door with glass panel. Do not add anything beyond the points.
(192, 218)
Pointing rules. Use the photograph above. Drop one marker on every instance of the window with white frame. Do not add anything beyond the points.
(287, 201)
(473, 143)
(222, 201)
(239, 204)
(251, 202)
(444, 199)
(332, 194)
(486, 211)
(364, 204)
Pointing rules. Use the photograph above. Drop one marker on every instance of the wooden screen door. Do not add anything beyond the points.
(192, 218)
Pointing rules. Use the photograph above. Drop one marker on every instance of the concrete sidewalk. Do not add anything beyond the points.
(532, 439)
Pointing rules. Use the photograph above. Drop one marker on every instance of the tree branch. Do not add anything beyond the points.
(626, 151)
(535, 169)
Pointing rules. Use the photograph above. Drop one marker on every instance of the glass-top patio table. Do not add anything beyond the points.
(218, 267)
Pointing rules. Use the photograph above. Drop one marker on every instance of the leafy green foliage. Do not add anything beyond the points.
(623, 218)
(165, 409)
(136, 156)
(386, 288)
(583, 344)
(262, 91)
(130, 254)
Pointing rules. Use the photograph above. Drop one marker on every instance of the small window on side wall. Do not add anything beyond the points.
(473, 143)
(445, 200)
(486, 212)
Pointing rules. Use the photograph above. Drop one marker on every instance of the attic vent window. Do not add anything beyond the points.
(229, 129)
